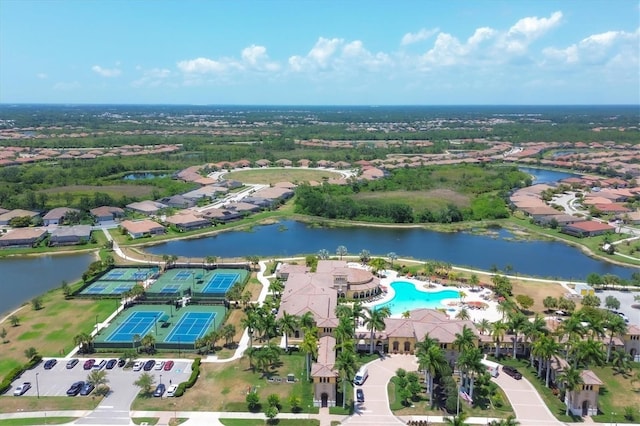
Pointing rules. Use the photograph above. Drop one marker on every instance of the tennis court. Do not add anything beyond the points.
(108, 288)
(190, 327)
(137, 323)
(220, 283)
(182, 276)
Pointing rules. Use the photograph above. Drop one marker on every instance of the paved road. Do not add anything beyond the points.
(526, 402)
(375, 410)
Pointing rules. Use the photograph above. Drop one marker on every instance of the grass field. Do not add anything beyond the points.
(618, 393)
(419, 200)
(280, 422)
(271, 176)
(37, 421)
(11, 404)
(116, 191)
(50, 330)
(231, 381)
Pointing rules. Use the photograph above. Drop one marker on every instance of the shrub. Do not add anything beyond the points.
(17, 372)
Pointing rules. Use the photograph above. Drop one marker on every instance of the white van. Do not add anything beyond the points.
(172, 390)
(361, 376)
(493, 368)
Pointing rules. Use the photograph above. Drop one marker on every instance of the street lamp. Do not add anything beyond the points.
(37, 386)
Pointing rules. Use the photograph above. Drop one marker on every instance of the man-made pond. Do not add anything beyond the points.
(23, 278)
(546, 176)
(550, 259)
(144, 175)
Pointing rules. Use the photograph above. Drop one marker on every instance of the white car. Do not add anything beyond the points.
(138, 366)
(22, 388)
(159, 365)
(172, 390)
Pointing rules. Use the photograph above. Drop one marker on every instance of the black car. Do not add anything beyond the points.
(122, 362)
(149, 365)
(359, 395)
(72, 363)
(111, 363)
(75, 389)
(86, 389)
(50, 364)
(159, 390)
(513, 372)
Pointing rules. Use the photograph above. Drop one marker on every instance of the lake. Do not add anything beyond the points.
(23, 278)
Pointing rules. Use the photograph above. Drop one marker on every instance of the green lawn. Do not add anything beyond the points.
(616, 395)
(37, 421)
(147, 420)
(280, 422)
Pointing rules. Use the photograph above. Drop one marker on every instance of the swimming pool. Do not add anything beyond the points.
(408, 297)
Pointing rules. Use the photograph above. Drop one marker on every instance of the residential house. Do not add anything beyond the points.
(584, 289)
(208, 191)
(147, 207)
(221, 215)
(142, 228)
(70, 235)
(187, 221)
(57, 215)
(588, 228)
(107, 213)
(178, 201)
(5, 218)
(23, 237)
(631, 341)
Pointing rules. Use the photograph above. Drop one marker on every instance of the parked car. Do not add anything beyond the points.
(172, 390)
(359, 395)
(511, 371)
(159, 390)
(138, 366)
(159, 365)
(168, 365)
(88, 364)
(100, 365)
(72, 363)
(122, 362)
(50, 363)
(75, 388)
(87, 389)
(22, 388)
(149, 365)
(111, 363)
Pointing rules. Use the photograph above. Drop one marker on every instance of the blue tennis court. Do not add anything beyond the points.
(191, 327)
(170, 288)
(220, 283)
(121, 289)
(95, 289)
(114, 275)
(136, 323)
(182, 276)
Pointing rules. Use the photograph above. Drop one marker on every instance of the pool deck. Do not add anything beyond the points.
(453, 306)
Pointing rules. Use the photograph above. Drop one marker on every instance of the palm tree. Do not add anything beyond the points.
(483, 326)
(309, 346)
(588, 351)
(392, 256)
(228, 331)
(287, 324)
(463, 314)
(377, 264)
(615, 327)
(148, 342)
(97, 378)
(474, 280)
(571, 380)
(533, 329)
(82, 341)
(465, 339)
(307, 321)
(210, 260)
(498, 330)
(458, 420)
(470, 362)
(545, 348)
(375, 322)
(509, 421)
(343, 310)
(145, 382)
(250, 322)
(621, 361)
(346, 366)
(432, 360)
(341, 251)
(516, 323)
(323, 254)
(365, 256)
(358, 312)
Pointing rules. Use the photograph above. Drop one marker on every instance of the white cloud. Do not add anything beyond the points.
(151, 78)
(533, 27)
(335, 55)
(202, 66)
(256, 57)
(42, 76)
(318, 57)
(423, 34)
(597, 49)
(106, 72)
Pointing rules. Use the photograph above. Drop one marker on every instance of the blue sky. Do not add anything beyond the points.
(309, 52)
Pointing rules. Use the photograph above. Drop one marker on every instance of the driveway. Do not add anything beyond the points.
(526, 402)
(375, 410)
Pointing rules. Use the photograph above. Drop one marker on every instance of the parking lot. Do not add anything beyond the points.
(57, 380)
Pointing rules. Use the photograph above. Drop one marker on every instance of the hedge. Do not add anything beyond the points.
(195, 372)
(17, 372)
